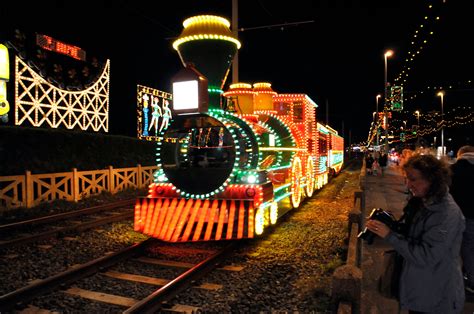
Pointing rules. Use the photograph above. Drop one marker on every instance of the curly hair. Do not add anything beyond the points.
(435, 171)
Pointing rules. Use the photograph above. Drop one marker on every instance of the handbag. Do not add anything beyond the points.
(389, 281)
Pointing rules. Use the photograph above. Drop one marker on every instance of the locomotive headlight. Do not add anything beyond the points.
(251, 178)
(162, 178)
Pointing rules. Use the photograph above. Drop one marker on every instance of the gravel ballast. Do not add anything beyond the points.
(287, 270)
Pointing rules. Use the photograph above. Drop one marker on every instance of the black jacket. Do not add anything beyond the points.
(462, 186)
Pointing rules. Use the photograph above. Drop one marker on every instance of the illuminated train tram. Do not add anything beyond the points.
(228, 173)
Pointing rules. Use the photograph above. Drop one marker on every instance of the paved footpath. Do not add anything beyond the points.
(386, 192)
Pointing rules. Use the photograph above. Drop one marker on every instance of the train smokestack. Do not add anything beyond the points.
(208, 43)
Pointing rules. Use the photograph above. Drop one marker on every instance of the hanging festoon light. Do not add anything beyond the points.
(420, 39)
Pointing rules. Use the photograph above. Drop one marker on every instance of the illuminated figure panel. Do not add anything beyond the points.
(153, 112)
(39, 103)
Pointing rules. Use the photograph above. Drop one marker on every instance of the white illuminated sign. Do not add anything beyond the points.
(271, 139)
(185, 95)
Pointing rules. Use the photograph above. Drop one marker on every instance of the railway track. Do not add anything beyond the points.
(114, 287)
(98, 271)
(32, 230)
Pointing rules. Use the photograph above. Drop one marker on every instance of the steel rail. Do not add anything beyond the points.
(64, 230)
(154, 301)
(27, 293)
(62, 216)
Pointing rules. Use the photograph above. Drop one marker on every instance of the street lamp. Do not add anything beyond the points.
(417, 127)
(418, 118)
(387, 54)
(441, 94)
(377, 117)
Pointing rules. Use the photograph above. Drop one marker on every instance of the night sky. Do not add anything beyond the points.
(337, 58)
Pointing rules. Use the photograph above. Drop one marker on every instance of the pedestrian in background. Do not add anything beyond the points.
(406, 154)
(369, 160)
(383, 159)
(462, 189)
(431, 280)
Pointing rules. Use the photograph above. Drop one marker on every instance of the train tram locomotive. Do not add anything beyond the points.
(228, 170)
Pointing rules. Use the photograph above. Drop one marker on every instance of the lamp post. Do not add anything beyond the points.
(387, 54)
(417, 127)
(377, 118)
(441, 94)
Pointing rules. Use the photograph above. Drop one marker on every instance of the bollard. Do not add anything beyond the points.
(344, 308)
(346, 286)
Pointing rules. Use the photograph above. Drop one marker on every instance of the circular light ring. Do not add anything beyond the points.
(310, 184)
(229, 125)
(246, 128)
(160, 137)
(300, 140)
(240, 86)
(202, 19)
(296, 173)
(281, 127)
(206, 27)
(287, 137)
(214, 89)
(259, 220)
(279, 154)
(274, 213)
(255, 152)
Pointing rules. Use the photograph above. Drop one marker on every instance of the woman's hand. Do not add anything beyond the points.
(377, 227)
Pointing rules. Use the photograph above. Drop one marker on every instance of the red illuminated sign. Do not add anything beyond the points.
(52, 44)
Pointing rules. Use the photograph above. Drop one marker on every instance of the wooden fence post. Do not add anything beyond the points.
(29, 189)
(139, 176)
(347, 286)
(111, 180)
(75, 185)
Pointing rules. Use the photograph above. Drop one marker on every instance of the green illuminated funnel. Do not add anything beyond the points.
(207, 42)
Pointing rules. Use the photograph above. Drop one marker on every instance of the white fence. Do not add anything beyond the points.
(29, 190)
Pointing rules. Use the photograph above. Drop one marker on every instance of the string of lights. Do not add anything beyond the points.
(455, 87)
(429, 123)
(420, 39)
(411, 123)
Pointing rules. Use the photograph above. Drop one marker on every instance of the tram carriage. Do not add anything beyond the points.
(228, 172)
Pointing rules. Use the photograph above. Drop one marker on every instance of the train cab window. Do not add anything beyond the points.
(298, 112)
(282, 107)
(323, 144)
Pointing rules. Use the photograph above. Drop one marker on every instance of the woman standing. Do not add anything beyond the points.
(431, 279)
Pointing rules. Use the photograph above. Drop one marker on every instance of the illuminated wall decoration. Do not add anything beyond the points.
(153, 112)
(4, 78)
(39, 103)
(397, 98)
(51, 44)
